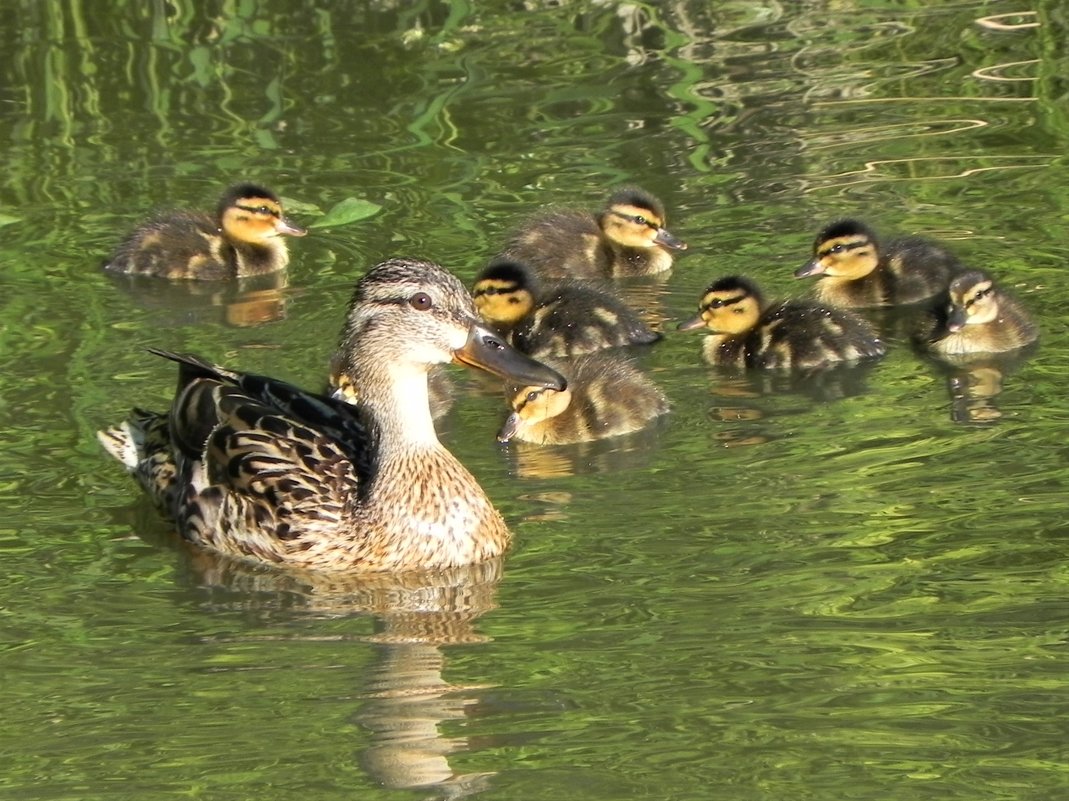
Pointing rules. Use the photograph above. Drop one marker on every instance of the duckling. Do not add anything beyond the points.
(978, 317)
(256, 468)
(857, 271)
(563, 319)
(626, 238)
(243, 239)
(607, 395)
(785, 334)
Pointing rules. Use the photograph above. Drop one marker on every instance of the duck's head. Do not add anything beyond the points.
(252, 215)
(973, 300)
(844, 249)
(531, 406)
(635, 219)
(408, 314)
(730, 305)
(504, 293)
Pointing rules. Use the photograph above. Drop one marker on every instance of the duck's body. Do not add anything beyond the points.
(978, 317)
(607, 396)
(786, 334)
(562, 319)
(256, 468)
(244, 238)
(857, 271)
(627, 238)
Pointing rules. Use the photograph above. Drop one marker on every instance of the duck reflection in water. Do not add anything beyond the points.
(406, 697)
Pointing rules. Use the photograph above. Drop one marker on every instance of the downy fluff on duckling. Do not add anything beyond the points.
(256, 468)
(786, 334)
(607, 395)
(561, 319)
(857, 271)
(978, 317)
(628, 237)
(244, 238)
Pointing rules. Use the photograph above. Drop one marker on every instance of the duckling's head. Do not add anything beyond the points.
(532, 406)
(730, 305)
(504, 293)
(844, 249)
(635, 219)
(973, 300)
(407, 314)
(252, 215)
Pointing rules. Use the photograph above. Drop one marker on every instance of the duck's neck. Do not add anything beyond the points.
(401, 404)
(259, 259)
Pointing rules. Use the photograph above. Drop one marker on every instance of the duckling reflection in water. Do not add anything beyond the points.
(256, 468)
(628, 237)
(856, 270)
(607, 395)
(562, 319)
(244, 238)
(786, 334)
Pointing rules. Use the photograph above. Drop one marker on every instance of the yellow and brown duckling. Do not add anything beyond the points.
(561, 319)
(747, 332)
(627, 238)
(255, 468)
(978, 317)
(607, 395)
(856, 270)
(244, 238)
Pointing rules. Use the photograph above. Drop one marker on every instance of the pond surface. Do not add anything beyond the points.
(849, 586)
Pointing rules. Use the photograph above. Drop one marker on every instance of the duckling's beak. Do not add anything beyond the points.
(956, 318)
(284, 227)
(509, 427)
(811, 267)
(692, 325)
(487, 351)
(665, 239)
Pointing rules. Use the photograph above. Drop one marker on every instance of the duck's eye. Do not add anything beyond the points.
(640, 220)
(421, 301)
(532, 396)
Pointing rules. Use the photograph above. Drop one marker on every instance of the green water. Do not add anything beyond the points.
(847, 589)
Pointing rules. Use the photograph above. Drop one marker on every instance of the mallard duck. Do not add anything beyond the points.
(562, 319)
(627, 238)
(254, 467)
(607, 395)
(244, 238)
(978, 317)
(785, 334)
(856, 270)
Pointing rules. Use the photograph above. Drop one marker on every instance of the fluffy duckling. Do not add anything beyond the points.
(244, 238)
(607, 395)
(626, 238)
(856, 270)
(563, 319)
(255, 468)
(979, 318)
(785, 334)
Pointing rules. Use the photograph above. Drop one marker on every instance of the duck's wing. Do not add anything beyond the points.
(259, 453)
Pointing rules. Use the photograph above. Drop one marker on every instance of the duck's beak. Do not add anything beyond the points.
(665, 239)
(509, 427)
(487, 351)
(956, 318)
(692, 325)
(284, 227)
(811, 267)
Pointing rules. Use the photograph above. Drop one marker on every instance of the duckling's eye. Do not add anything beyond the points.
(532, 396)
(640, 220)
(421, 301)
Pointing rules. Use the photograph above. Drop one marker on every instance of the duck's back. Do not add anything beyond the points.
(917, 269)
(571, 319)
(560, 243)
(799, 335)
(176, 245)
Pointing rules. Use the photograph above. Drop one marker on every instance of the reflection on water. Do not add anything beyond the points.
(406, 697)
(975, 381)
